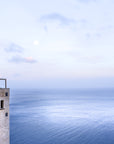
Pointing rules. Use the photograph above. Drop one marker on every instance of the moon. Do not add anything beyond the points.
(36, 42)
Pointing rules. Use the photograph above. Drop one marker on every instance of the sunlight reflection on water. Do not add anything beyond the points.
(61, 119)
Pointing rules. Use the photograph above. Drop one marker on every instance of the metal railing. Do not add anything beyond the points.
(3, 79)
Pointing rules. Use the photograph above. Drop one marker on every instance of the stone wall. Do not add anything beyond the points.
(4, 116)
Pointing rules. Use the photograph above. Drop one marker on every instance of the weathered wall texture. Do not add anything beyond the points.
(4, 117)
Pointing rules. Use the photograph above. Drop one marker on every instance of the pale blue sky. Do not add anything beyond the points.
(57, 40)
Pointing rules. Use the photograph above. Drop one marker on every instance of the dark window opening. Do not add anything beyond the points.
(6, 114)
(2, 104)
(6, 93)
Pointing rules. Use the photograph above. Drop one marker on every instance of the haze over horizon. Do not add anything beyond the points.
(67, 44)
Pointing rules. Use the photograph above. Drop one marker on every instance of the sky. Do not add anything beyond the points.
(57, 43)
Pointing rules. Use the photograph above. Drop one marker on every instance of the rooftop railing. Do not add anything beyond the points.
(5, 80)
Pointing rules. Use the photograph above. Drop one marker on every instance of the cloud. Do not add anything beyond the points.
(93, 35)
(86, 58)
(19, 59)
(16, 75)
(55, 17)
(86, 1)
(14, 48)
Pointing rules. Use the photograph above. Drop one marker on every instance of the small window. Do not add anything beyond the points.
(2, 104)
(6, 114)
(6, 94)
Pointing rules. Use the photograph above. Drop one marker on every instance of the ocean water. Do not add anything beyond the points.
(62, 116)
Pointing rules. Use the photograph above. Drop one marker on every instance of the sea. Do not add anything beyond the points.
(75, 116)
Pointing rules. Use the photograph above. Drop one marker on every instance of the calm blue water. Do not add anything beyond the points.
(62, 117)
